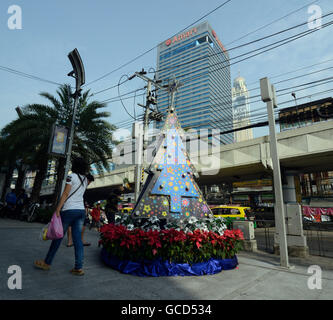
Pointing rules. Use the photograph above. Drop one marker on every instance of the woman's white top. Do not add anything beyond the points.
(75, 201)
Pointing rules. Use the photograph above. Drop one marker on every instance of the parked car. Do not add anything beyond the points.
(230, 212)
(126, 210)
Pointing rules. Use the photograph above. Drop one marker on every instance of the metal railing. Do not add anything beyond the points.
(264, 234)
(319, 236)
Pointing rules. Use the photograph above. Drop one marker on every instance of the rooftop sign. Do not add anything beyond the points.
(181, 37)
(218, 40)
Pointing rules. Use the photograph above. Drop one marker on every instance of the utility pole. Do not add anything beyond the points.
(150, 114)
(137, 134)
(268, 95)
(79, 74)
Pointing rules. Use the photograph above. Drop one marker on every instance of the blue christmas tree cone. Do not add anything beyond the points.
(170, 190)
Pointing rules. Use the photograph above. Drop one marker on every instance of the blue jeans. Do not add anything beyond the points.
(75, 219)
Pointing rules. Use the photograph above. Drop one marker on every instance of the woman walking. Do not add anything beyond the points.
(72, 212)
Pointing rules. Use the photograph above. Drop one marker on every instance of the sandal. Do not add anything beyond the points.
(40, 264)
(87, 244)
(77, 272)
(70, 245)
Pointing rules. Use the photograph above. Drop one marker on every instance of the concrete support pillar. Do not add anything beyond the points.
(289, 188)
(296, 240)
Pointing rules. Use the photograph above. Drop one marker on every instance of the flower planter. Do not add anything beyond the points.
(159, 268)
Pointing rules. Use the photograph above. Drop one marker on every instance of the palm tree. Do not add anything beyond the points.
(31, 133)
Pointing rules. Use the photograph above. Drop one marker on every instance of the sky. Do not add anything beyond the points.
(109, 34)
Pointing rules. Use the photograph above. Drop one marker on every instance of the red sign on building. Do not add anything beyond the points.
(181, 37)
(218, 40)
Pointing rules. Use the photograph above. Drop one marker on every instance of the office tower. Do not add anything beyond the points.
(197, 59)
(241, 110)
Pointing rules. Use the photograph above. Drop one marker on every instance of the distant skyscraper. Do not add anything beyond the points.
(199, 61)
(241, 110)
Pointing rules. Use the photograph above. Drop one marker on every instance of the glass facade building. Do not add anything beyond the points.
(199, 61)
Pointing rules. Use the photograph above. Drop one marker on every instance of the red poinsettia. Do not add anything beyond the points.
(153, 238)
(196, 246)
(173, 235)
(197, 237)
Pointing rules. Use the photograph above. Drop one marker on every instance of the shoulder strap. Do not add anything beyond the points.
(78, 187)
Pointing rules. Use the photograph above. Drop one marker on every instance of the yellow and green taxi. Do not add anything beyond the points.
(126, 210)
(231, 212)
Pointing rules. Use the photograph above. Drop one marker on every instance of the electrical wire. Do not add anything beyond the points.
(285, 41)
(27, 75)
(231, 49)
(116, 99)
(267, 25)
(119, 95)
(310, 85)
(219, 53)
(241, 46)
(276, 110)
(279, 82)
(255, 125)
(305, 33)
(148, 51)
(296, 70)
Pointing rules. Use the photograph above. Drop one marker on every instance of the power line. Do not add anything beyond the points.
(276, 110)
(287, 40)
(240, 46)
(310, 85)
(116, 99)
(293, 38)
(109, 88)
(296, 70)
(27, 75)
(265, 26)
(146, 52)
(279, 82)
(121, 98)
(258, 124)
(219, 53)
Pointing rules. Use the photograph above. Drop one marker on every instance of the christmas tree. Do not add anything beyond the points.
(170, 190)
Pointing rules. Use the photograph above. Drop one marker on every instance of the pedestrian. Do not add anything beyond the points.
(72, 212)
(85, 224)
(96, 216)
(86, 220)
(111, 207)
(11, 200)
(22, 201)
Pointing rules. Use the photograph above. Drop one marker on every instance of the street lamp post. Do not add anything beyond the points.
(268, 95)
(79, 74)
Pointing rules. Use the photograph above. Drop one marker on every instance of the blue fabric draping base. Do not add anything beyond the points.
(159, 268)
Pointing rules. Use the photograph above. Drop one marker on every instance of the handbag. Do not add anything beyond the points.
(55, 229)
(42, 235)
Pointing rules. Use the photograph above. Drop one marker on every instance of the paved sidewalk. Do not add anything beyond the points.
(258, 276)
